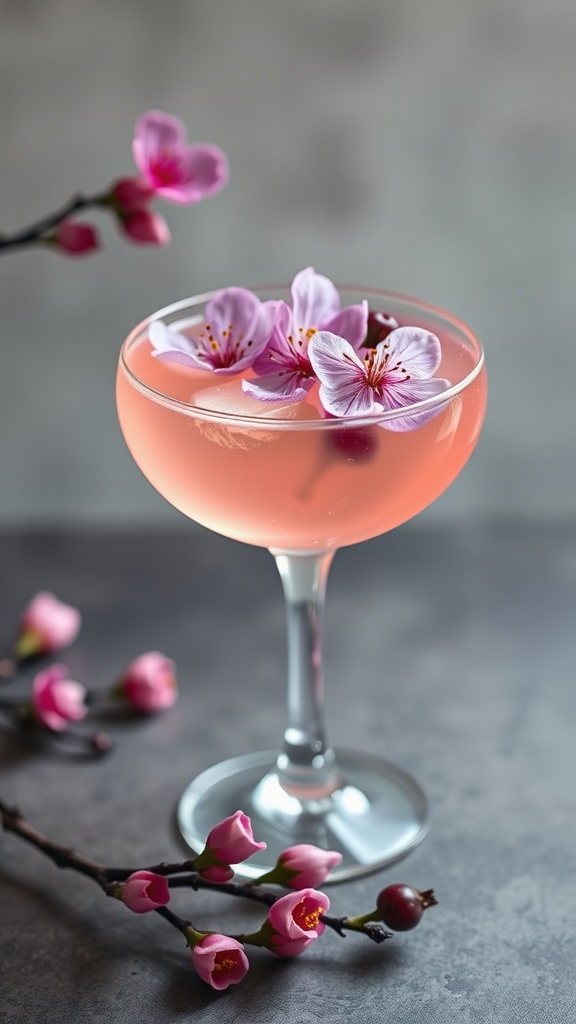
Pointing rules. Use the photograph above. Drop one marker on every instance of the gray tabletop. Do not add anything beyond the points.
(449, 651)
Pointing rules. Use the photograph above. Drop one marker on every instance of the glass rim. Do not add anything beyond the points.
(273, 422)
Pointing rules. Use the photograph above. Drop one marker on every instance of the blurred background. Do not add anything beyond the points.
(426, 146)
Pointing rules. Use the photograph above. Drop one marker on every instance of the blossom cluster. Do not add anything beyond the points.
(293, 921)
(46, 626)
(168, 168)
(365, 363)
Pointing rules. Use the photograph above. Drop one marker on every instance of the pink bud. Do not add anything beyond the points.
(220, 961)
(297, 916)
(308, 866)
(75, 238)
(46, 625)
(149, 682)
(144, 891)
(145, 227)
(232, 841)
(132, 193)
(57, 700)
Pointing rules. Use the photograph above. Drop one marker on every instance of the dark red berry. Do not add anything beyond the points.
(401, 907)
(379, 327)
(354, 444)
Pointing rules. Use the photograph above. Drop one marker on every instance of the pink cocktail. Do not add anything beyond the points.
(285, 476)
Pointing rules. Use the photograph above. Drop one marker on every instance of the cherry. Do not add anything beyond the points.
(401, 906)
(354, 444)
(379, 327)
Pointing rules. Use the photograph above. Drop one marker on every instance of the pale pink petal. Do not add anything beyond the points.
(344, 390)
(172, 347)
(417, 349)
(284, 385)
(315, 299)
(203, 171)
(350, 323)
(409, 393)
(157, 133)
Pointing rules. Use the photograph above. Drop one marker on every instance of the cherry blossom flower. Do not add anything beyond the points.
(230, 842)
(56, 699)
(284, 369)
(295, 921)
(75, 238)
(397, 373)
(176, 171)
(220, 960)
(144, 891)
(46, 625)
(149, 682)
(238, 326)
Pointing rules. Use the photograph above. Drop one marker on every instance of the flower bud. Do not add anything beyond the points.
(46, 625)
(149, 682)
(56, 699)
(145, 227)
(131, 194)
(229, 842)
(301, 867)
(75, 238)
(144, 891)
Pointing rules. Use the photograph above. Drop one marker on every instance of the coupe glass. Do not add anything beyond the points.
(287, 478)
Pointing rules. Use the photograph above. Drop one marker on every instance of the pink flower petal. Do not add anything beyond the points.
(350, 323)
(172, 347)
(419, 350)
(315, 299)
(343, 388)
(283, 385)
(408, 394)
(220, 960)
(156, 133)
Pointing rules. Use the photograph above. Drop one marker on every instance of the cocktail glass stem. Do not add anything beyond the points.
(306, 763)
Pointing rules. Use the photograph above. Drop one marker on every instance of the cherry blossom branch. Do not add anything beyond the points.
(107, 877)
(168, 168)
(38, 231)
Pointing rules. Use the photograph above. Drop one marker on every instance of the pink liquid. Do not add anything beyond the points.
(302, 485)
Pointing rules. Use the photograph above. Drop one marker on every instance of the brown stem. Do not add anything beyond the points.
(39, 229)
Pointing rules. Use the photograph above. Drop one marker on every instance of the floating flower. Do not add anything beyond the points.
(219, 960)
(176, 171)
(284, 368)
(46, 625)
(302, 866)
(238, 326)
(149, 682)
(144, 891)
(56, 699)
(397, 373)
(295, 921)
(230, 842)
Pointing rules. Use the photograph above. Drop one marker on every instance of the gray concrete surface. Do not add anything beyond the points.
(460, 670)
(429, 147)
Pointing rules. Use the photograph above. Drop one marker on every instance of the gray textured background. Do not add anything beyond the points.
(428, 146)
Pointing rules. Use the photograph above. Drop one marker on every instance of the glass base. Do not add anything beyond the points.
(374, 814)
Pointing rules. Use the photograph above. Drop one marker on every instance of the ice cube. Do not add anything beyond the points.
(229, 398)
